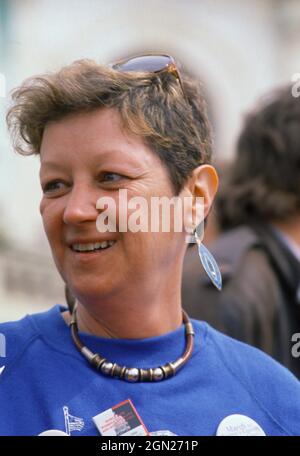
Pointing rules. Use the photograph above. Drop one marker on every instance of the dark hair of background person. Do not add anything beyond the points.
(263, 183)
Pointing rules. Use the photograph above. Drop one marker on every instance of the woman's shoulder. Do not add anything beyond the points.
(273, 387)
(17, 336)
(244, 361)
(17, 332)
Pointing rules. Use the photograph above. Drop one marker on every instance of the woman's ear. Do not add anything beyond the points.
(202, 185)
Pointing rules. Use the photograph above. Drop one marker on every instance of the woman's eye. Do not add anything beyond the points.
(53, 185)
(111, 177)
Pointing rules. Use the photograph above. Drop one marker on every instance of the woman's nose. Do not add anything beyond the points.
(80, 206)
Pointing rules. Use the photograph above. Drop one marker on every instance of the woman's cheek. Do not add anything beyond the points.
(51, 217)
(42, 206)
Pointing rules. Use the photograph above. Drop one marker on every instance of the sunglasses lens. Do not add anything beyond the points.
(151, 63)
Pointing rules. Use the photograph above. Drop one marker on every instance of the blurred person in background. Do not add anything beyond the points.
(258, 211)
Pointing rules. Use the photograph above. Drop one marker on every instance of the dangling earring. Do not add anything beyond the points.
(209, 263)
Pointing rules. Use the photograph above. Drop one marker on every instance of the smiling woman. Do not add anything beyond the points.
(140, 127)
(69, 215)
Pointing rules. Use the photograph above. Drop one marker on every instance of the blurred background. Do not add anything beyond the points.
(239, 49)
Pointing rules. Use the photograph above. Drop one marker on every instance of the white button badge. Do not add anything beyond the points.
(239, 425)
(53, 432)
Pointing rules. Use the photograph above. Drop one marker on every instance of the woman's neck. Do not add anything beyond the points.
(129, 318)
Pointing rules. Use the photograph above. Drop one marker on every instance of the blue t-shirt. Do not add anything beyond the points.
(47, 384)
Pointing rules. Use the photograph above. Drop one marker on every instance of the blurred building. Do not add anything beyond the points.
(239, 49)
(28, 283)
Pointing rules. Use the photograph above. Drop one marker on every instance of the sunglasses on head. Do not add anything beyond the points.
(152, 63)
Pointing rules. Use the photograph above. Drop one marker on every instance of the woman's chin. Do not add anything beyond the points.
(87, 288)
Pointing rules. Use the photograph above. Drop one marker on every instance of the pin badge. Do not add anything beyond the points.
(122, 419)
(53, 432)
(239, 425)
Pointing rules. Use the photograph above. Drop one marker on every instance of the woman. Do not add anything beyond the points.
(135, 126)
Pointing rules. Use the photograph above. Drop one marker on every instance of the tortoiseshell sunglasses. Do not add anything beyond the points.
(153, 63)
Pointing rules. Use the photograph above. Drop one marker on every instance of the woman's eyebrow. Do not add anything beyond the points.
(122, 153)
(122, 158)
(48, 164)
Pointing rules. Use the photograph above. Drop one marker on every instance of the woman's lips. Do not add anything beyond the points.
(90, 255)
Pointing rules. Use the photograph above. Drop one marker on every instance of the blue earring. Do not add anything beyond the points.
(209, 263)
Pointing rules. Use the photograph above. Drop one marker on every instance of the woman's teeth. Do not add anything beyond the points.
(92, 247)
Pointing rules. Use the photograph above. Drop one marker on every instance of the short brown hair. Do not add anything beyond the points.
(151, 106)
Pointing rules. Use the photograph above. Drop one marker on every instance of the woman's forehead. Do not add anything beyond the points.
(92, 136)
(98, 125)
